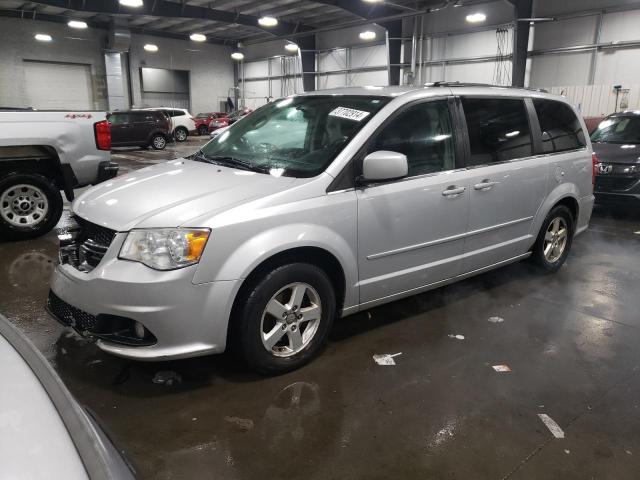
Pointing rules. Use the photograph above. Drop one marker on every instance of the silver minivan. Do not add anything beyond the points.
(318, 206)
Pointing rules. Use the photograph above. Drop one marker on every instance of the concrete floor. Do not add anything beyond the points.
(571, 341)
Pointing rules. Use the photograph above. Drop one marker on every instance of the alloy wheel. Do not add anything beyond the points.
(555, 239)
(291, 319)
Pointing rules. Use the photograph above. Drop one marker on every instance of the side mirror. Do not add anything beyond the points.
(384, 165)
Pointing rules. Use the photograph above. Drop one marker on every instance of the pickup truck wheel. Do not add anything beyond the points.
(554, 240)
(181, 134)
(285, 318)
(158, 142)
(30, 206)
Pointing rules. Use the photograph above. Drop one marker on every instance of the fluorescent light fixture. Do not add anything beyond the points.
(268, 21)
(291, 47)
(198, 37)
(43, 37)
(367, 35)
(237, 55)
(131, 3)
(77, 24)
(150, 47)
(476, 17)
(373, 1)
(515, 133)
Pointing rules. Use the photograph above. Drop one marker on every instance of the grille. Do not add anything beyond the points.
(606, 184)
(100, 235)
(70, 315)
(88, 246)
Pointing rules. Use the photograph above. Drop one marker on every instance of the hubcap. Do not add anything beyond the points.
(23, 205)
(181, 135)
(291, 319)
(555, 240)
(158, 142)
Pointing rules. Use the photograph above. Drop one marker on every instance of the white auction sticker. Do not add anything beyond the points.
(349, 113)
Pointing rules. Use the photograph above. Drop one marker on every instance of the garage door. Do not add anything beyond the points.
(58, 86)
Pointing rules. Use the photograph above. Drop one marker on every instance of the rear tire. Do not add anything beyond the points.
(554, 240)
(30, 206)
(181, 134)
(284, 318)
(158, 142)
(203, 130)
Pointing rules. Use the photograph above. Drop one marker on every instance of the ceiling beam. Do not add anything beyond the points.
(164, 8)
(362, 9)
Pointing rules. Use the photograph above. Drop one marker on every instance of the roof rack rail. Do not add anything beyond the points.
(472, 84)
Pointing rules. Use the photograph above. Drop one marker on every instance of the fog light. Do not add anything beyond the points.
(140, 330)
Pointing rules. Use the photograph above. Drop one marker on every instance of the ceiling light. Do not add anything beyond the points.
(373, 1)
(43, 37)
(367, 35)
(268, 21)
(198, 37)
(476, 17)
(131, 3)
(150, 47)
(291, 47)
(77, 24)
(237, 55)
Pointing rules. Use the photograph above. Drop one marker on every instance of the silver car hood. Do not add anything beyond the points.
(171, 194)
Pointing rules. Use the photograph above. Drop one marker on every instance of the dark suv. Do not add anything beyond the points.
(616, 143)
(140, 128)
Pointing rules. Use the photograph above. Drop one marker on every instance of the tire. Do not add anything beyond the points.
(158, 142)
(203, 130)
(181, 134)
(252, 322)
(559, 219)
(30, 206)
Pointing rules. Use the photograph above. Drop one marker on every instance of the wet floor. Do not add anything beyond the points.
(570, 340)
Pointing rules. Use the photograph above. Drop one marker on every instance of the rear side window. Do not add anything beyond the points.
(560, 127)
(498, 129)
(119, 118)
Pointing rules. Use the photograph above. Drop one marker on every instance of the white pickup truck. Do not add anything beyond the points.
(42, 153)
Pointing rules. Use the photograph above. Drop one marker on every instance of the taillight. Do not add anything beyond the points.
(102, 132)
(594, 167)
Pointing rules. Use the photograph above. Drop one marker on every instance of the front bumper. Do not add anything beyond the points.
(185, 319)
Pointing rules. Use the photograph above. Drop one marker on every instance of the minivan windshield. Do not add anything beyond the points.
(623, 129)
(295, 136)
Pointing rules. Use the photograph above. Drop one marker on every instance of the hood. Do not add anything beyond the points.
(627, 153)
(171, 194)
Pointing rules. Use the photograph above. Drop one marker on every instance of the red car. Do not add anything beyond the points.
(228, 119)
(204, 119)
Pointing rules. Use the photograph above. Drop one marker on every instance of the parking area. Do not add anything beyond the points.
(570, 341)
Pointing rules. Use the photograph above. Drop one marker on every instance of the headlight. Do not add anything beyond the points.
(165, 248)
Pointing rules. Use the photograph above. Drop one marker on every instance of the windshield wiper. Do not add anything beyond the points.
(200, 156)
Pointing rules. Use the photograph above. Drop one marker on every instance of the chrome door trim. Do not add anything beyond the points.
(440, 241)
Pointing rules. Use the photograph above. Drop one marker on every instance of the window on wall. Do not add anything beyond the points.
(424, 134)
(560, 127)
(498, 129)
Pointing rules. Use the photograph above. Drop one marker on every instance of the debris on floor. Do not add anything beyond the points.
(458, 337)
(567, 451)
(385, 358)
(167, 377)
(496, 319)
(244, 424)
(501, 368)
(553, 427)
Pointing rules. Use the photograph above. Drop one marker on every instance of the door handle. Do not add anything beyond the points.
(453, 191)
(484, 185)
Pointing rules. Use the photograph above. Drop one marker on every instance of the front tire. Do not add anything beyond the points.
(181, 134)
(554, 240)
(158, 142)
(203, 130)
(30, 206)
(284, 318)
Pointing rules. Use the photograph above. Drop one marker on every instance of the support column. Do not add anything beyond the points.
(523, 9)
(394, 45)
(307, 47)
